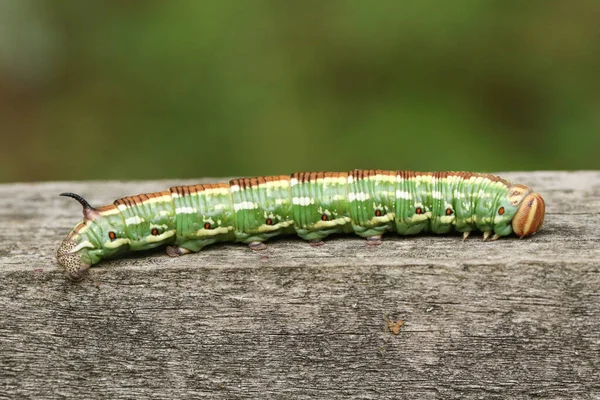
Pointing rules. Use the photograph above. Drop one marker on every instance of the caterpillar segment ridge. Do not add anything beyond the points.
(312, 205)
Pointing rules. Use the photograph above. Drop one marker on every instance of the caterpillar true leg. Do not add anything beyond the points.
(316, 242)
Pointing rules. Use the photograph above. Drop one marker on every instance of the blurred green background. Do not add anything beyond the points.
(138, 89)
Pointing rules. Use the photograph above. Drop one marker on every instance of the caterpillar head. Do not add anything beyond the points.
(93, 238)
(530, 214)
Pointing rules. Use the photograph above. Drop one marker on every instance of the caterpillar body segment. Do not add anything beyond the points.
(312, 205)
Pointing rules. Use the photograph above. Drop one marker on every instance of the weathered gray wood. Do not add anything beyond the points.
(506, 319)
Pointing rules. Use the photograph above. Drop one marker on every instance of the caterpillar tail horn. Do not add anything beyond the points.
(88, 210)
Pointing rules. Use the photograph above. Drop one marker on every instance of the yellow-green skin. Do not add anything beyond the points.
(313, 205)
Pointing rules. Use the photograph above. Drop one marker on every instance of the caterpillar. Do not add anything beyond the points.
(312, 205)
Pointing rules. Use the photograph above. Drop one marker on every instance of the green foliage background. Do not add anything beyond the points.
(122, 89)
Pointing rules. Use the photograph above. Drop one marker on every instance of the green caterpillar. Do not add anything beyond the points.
(312, 205)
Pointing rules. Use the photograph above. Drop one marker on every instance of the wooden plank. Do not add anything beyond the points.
(505, 319)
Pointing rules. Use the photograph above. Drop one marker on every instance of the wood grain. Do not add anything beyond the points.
(417, 317)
